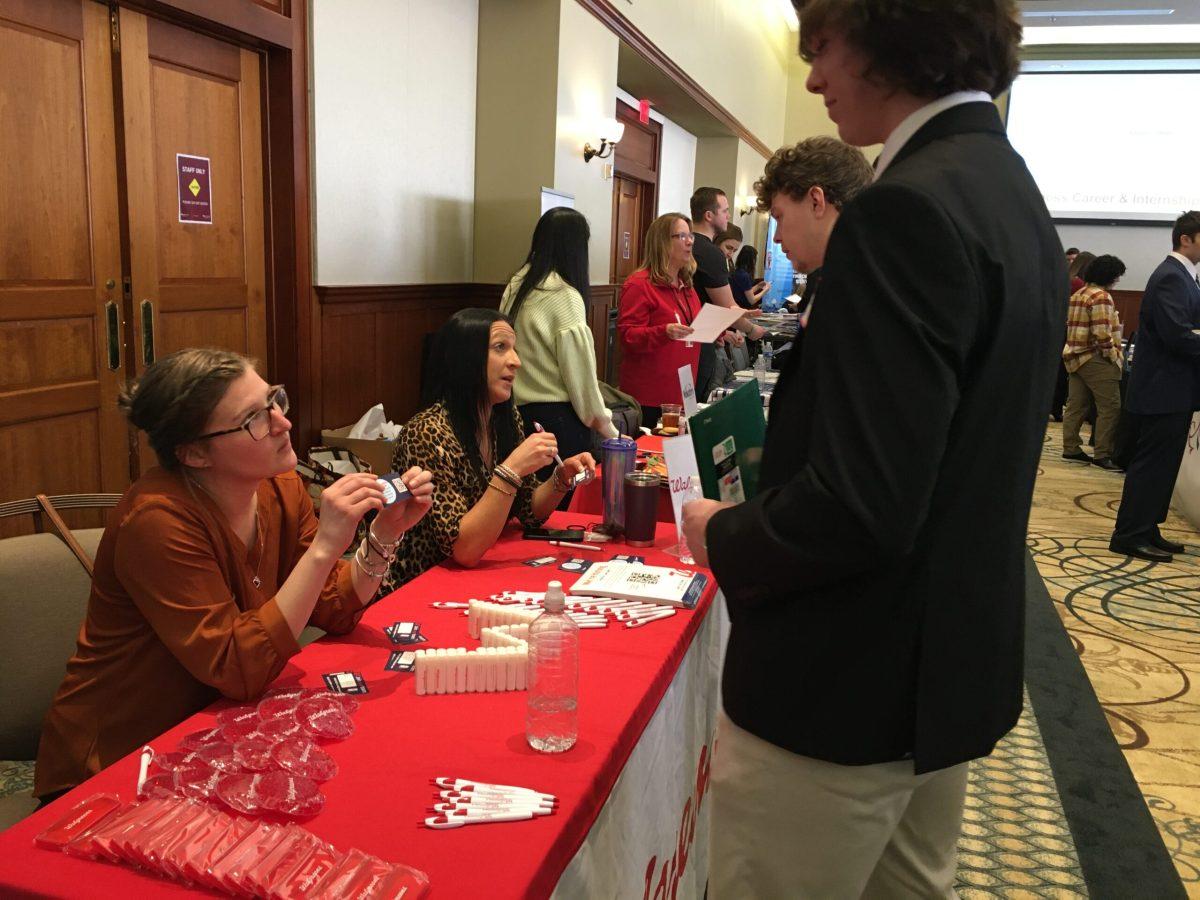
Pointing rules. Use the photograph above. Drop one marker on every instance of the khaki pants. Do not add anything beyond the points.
(1097, 380)
(787, 826)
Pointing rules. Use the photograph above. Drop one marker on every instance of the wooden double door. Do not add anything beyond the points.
(131, 226)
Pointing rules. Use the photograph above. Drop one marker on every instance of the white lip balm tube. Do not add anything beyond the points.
(422, 672)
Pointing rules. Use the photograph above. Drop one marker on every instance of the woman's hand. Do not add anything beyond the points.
(574, 465)
(403, 515)
(343, 504)
(757, 292)
(677, 331)
(535, 452)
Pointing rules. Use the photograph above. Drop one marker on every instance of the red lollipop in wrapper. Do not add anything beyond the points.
(219, 756)
(325, 718)
(300, 756)
(283, 706)
(169, 762)
(292, 795)
(237, 722)
(198, 739)
(348, 703)
(275, 730)
(254, 754)
(197, 780)
(163, 781)
(241, 793)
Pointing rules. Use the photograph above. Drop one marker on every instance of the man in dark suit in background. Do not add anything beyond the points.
(1164, 391)
(876, 583)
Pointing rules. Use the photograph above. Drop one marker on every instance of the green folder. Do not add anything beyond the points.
(728, 440)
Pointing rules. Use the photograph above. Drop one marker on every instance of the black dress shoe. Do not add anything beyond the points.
(1107, 464)
(1144, 550)
(1170, 546)
(1077, 456)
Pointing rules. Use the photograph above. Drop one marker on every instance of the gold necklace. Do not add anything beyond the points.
(258, 523)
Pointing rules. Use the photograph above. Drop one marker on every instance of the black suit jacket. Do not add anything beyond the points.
(876, 582)
(1166, 365)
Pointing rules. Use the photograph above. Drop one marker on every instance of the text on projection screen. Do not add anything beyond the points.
(1110, 145)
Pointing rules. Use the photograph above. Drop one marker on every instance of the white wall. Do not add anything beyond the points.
(393, 125)
(737, 50)
(1141, 248)
(587, 84)
(677, 165)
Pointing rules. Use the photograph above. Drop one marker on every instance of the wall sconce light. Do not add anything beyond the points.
(611, 132)
(747, 204)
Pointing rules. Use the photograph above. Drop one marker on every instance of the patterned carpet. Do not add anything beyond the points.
(1136, 627)
(1015, 841)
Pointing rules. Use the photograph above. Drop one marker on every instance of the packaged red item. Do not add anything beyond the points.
(333, 884)
(135, 847)
(115, 845)
(208, 849)
(153, 845)
(218, 871)
(237, 722)
(402, 882)
(324, 718)
(266, 871)
(241, 792)
(300, 756)
(198, 739)
(169, 762)
(299, 883)
(279, 729)
(197, 780)
(94, 844)
(185, 847)
(219, 756)
(252, 852)
(81, 819)
(254, 754)
(292, 795)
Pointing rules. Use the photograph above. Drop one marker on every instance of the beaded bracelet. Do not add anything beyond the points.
(504, 473)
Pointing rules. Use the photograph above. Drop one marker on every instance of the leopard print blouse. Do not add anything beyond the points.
(428, 441)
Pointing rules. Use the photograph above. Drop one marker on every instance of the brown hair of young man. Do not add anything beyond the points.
(841, 171)
(929, 48)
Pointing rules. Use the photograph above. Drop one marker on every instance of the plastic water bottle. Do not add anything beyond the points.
(552, 715)
(690, 493)
(760, 371)
(768, 354)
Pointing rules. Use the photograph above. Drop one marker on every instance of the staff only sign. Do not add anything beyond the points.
(195, 189)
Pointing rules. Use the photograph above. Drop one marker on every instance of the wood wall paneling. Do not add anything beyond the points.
(1129, 307)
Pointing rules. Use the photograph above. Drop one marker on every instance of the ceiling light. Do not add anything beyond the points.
(1095, 13)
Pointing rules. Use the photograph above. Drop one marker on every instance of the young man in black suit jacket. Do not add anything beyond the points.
(876, 583)
(1164, 391)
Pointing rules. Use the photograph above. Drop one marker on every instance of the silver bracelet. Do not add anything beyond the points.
(361, 560)
(385, 550)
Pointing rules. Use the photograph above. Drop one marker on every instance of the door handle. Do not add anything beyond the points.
(112, 324)
(147, 332)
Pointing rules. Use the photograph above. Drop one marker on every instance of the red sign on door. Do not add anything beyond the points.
(195, 189)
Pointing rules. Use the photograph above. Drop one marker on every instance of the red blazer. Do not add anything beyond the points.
(650, 360)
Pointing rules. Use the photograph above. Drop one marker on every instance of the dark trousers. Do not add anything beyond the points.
(1150, 476)
(706, 372)
(560, 420)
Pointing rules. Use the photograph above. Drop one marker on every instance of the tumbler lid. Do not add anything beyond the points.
(618, 443)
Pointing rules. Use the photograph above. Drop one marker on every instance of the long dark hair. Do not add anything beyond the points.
(458, 379)
(746, 259)
(560, 244)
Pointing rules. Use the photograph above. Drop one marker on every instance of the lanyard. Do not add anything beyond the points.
(684, 309)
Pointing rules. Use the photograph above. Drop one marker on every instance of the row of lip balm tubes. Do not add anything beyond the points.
(483, 614)
(499, 665)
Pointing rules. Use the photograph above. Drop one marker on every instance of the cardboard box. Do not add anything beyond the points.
(375, 453)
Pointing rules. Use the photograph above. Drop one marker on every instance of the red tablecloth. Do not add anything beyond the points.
(588, 499)
(403, 740)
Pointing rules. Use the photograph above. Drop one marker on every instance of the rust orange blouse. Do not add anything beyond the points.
(174, 620)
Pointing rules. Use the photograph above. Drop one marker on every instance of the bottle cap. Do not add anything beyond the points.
(555, 601)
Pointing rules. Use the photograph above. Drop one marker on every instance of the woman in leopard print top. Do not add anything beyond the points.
(471, 438)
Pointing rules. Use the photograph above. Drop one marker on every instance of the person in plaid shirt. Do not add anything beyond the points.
(1092, 357)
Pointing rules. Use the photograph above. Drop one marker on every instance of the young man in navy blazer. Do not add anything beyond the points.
(1164, 391)
(876, 582)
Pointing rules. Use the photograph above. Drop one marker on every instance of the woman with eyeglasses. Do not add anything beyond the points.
(211, 565)
(656, 309)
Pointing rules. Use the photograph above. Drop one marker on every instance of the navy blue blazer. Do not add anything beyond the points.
(1166, 362)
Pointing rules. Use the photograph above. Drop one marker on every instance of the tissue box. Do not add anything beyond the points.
(376, 453)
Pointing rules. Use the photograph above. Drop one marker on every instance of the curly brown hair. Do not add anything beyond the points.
(929, 48)
(841, 171)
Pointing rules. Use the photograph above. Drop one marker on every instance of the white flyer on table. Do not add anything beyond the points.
(687, 387)
(680, 456)
(713, 321)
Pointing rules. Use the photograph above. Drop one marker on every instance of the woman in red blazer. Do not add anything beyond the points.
(657, 306)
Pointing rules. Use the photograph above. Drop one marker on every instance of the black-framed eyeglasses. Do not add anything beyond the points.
(258, 424)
